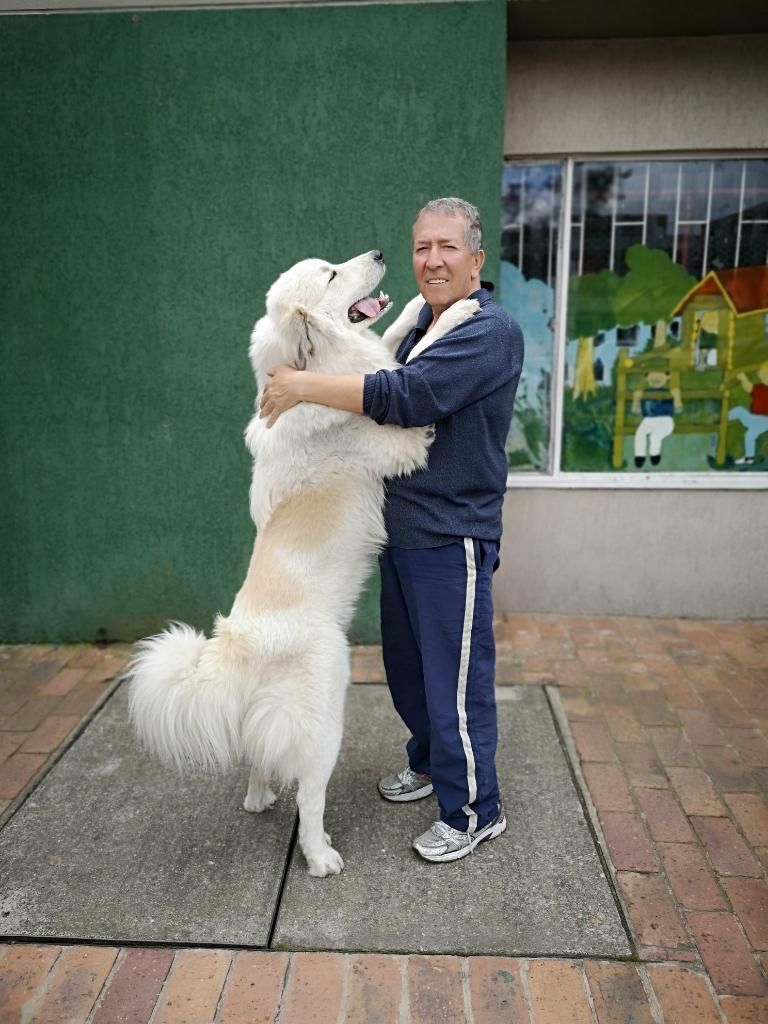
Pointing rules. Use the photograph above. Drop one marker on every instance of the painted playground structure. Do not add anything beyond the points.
(722, 342)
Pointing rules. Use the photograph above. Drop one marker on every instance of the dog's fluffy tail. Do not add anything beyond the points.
(185, 702)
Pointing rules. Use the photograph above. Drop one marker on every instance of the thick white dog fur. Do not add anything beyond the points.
(268, 687)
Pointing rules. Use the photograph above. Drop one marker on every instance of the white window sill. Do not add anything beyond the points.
(748, 481)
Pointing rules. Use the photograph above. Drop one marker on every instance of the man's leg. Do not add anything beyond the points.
(448, 592)
(402, 663)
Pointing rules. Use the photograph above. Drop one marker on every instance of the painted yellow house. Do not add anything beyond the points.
(733, 306)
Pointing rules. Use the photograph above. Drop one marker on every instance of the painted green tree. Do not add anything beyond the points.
(650, 289)
(591, 300)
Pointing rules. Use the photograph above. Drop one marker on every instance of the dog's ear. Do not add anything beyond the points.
(305, 347)
(298, 329)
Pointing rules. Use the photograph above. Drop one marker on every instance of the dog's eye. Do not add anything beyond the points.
(333, 274)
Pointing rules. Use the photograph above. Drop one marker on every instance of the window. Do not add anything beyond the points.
(641, 287)
(530, 226)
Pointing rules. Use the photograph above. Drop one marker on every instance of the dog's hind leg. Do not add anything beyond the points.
(327, 666)
(259, 796)
(313, 839)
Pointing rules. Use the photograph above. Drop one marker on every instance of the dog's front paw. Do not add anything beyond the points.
(324, 862)
(255, 804)
(414, 448)
(409, 316)
(458, 313)
(405, 322)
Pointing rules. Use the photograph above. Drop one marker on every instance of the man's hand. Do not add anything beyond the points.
(281, 393)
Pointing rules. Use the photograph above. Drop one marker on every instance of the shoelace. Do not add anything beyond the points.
(448, 832)
(441, 829)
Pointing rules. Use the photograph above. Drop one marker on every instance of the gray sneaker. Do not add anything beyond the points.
(406, 785)
(441, 842)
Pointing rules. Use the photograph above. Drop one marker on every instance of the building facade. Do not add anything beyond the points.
(635, 180)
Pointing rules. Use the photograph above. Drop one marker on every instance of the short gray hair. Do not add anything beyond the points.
(473, 232)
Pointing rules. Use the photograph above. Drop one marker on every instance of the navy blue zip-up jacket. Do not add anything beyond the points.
(464, 383)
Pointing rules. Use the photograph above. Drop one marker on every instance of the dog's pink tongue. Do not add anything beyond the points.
(368, 307)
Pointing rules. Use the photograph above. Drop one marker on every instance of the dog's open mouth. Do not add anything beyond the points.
(368, 308)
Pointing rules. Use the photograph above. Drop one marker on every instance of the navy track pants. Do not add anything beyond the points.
(439, 656)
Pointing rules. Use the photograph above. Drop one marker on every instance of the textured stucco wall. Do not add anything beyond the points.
(159, 170)
(689, 553)
(641, 95)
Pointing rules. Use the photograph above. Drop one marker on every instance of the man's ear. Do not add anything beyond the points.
(479, 258)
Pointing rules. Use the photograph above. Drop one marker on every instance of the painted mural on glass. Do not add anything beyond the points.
(530, 221)
(667, 317)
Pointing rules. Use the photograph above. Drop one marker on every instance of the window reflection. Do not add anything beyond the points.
(703, 213)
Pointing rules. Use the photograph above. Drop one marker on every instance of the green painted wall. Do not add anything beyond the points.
(158, 171)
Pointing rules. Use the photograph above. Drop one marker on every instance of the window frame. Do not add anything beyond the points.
(553, 477)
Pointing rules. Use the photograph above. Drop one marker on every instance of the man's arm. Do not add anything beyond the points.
(482, 357)
(287, 387)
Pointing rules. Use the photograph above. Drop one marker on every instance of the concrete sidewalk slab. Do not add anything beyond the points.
(538, 890)
(111, 846)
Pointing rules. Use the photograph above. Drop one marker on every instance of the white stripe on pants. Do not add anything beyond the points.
(461, 695)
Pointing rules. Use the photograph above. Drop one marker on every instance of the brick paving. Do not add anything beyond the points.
(45, 693)
(668, 720)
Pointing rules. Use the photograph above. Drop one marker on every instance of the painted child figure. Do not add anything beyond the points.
(658, 412)
(755, 419)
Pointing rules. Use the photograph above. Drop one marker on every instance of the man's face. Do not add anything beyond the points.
(445, 269)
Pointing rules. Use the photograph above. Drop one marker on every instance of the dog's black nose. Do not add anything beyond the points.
(378, 255)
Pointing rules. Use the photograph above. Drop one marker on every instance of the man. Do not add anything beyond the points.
(443, 527)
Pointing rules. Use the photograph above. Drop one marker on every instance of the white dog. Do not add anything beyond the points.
(269, 686)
